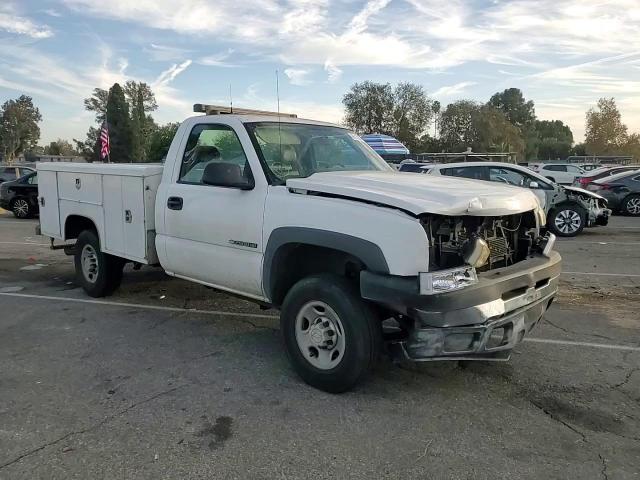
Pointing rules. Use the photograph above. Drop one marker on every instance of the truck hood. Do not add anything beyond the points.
(419, 194)
(584, 192)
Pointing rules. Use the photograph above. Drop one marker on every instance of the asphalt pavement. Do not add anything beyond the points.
(167, 379)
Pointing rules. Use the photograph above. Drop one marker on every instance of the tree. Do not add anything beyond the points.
(120, 132)
(605, 132)
(60, 147)
(19, 129)
(97, 103)
(518, 111)
(141, 100)
(369, 107)
(403, 112)
(553, 139)
(160, 141)
(435, 107)
(412, 112)
(468, 124)
(90, 147)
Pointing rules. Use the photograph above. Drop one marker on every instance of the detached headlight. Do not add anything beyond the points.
(442, 281)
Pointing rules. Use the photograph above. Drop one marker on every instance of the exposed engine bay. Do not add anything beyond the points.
(483, 242)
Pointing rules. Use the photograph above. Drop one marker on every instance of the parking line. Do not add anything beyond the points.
(603, 243)
(632, 275)
(274, 317)
(25, 243)
(607, 346)
(140, 305)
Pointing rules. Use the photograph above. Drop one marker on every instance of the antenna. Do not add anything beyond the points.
(278, 99)
(230, 100)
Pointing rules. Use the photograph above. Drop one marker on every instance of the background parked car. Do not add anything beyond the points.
(9, 173)
(21, 196)
(599, 173)
(415, 167)
(569, 209)
(622, 192)
(562, 173)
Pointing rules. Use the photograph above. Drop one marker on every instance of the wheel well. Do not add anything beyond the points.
(76, 224)
(293, 262)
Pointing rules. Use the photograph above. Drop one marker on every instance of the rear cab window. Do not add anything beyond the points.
(475, 173)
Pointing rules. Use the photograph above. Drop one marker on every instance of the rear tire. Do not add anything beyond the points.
(21, 208)
(98, 273)
(567, 220)
(631, 205)
(331, 335)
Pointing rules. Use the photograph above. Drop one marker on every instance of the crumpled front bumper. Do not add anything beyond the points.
(482, 322)
(598, 216)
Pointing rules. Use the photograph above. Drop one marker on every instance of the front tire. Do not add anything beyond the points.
(98, 273)
(567, 220)
(631, 205)
(21, 208)
(331, 335)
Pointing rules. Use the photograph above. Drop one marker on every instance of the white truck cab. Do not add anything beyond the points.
(305, 217)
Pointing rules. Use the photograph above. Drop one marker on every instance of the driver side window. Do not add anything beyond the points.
(213, 144)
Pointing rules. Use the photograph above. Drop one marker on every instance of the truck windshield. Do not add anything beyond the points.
(294, 150)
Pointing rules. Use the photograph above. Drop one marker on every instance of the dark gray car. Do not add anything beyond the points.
(622, 192)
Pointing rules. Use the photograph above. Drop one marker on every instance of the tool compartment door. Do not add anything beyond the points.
(49, 206)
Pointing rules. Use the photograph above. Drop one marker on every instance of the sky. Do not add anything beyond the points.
(563, 54)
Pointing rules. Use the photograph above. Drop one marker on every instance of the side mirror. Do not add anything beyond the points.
(228, 175)
(534, 185)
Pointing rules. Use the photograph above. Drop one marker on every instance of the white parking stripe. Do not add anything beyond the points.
(632, 275)
(274, 317)
(141, 306)
(25, 243)
(603, 243)
(582, 344)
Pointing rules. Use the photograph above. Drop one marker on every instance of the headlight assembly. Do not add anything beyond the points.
(443, 281)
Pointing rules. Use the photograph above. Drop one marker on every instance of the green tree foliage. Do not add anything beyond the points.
(412, 113)
(553, 139)
(60, 147)
(605, 132)
(468, 124)
(19, 131)
(120, 131)
(160, 141)
(368, 107)
(141, 101)
(403, 112)
(520, 113)
(90, 147)
(97, 103)
(516, 109)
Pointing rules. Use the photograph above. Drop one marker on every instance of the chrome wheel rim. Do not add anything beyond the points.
(21, 208)
(320, 335)
(89, 261)
(568, 221)
(633, 206)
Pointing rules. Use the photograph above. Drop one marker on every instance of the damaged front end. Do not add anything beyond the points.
(595, 205)
(490, 281)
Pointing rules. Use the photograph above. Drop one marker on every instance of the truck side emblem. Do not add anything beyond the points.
(243, 244)
(77, 184)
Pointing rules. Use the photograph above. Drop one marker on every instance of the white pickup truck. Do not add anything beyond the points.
(304, 217)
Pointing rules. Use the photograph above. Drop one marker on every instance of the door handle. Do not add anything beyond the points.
(174, 203)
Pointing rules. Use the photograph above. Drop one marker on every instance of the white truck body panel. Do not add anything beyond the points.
(119, 199)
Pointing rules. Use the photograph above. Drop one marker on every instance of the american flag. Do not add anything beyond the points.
(104, 140)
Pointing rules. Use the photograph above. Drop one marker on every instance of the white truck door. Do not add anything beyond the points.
(213, 233)
(49, 207)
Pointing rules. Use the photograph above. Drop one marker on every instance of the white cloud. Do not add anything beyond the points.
(11, 22)
(171, 73)
(333, 73)
(217, 60)
(297, 76)
(450, 90)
